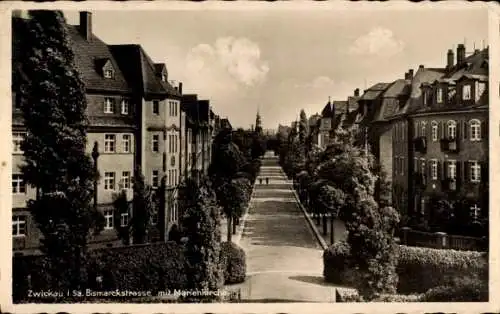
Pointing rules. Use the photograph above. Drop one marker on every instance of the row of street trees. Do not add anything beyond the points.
(344, 181)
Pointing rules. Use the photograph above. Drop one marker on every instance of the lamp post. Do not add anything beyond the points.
(95, 156)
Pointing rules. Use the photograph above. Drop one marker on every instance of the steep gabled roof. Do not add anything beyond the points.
(142, 71)
(375, 91)
(398, 91)
(423, 75)
(87, 53)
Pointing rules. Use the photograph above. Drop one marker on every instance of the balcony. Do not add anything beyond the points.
(449, 145)
(420, 144)
(450, 184)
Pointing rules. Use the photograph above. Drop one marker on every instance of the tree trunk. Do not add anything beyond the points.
(229, 229)
(325, 227)
(318, 218)
(332, 235)
(234, 224)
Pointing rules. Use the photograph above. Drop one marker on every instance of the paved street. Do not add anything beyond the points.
(284, 259)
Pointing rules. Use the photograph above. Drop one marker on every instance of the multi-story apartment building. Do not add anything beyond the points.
(395, 142)
(449, 132)
(112, 133)
(136, 124)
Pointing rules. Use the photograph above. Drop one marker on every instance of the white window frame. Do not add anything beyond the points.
(109, 219)
(155, 179)
(434, 169)
(475, 125)
(439, 95)
(127, 142)
(125, 107)
(19, 226)
(124, 219)
(155, 139)
(109, 143)
(451, 125)
(423, 128)
(18, 184)
(452, 169)
(466, 92)
(126, 179)
(109, 181)
(17, 139)
(108, 74)
(475, 171)
(109, 105)
(434, 131)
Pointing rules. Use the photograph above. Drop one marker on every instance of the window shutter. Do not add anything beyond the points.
(465, 129)
(484, 172)
(484, 130)
(429, 169)
(440, 174)
(440, 130)
(466, 166)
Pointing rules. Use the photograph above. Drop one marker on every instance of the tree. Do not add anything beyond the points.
(202, 227)
(52, 99)
(122, 206)
(303, 131)
(333, 200)
(143, 205)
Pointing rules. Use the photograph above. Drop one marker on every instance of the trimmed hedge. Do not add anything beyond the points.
(149, 267)
(419, 269)
(233, 260)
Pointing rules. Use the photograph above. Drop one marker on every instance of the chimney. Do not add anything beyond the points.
(460, 54)
(476, 51)
(406, 76)
(356, 92)
(86, 25)
(421, 66)
(410, 74)
(450, 59)
(180, 88)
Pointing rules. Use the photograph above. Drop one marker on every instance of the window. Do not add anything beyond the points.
(18, 184)
(154, 217)
(109, 105)
(156, 107)
(434, 169)
(109, 180)
(127, 140)
(18, 226)
(416, 130)
(108, 73)
(452, 169)
(423, 129)
(475, 130)
(125, 106)
(422, 165)
(452, 129)
(475, 211)
(439, 95)
(108, 219)
(126, 179)
(163, 77)
(425, 95)
(154, 179)
(434, 131)
(109, 143)
(124, 218)
(475, 171)
(422, 206)
(17, 139)
(466, 92)
(155, 143)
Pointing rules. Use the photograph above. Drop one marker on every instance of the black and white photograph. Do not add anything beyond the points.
(229, 156)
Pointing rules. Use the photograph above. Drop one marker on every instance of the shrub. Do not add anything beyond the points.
(466, 289)
(233, 260)
(419, 269)
(151, 267)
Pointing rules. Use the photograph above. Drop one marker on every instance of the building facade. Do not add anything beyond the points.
(137, 125)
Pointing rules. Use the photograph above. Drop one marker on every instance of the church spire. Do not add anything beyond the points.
(258, 122)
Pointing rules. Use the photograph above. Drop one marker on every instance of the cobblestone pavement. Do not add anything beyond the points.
(284, 259)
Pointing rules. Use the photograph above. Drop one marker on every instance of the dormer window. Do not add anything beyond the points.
(439, 95)
(108, 73)
(125, 107)
(466, 92)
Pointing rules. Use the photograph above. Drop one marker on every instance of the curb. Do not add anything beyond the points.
(239, 232)
(311, 224)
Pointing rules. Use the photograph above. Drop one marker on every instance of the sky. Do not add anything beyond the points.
(282, 61)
